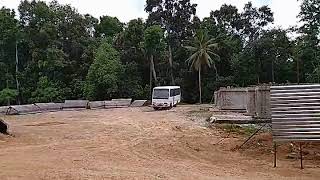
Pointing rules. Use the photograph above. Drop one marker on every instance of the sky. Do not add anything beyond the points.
(285, 11)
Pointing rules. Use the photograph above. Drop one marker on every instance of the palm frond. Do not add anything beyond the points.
(197, 63)
(215, 45)
(202, 52)
(209, 60)
(191, 48)
(216, 56)
(210, 41)
(192, 57)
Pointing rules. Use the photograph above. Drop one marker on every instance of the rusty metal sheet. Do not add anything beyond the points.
(295, 112)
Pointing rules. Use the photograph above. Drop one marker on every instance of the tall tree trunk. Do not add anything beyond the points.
(298, 71)
(216, 71)
(170, 55)
(272, 71)
(317, 68)
(258, 71)
(7, 83)
(153, 70)
(171, 64)
(17, 72)
(318, 73)
(150, 80)
(7, 78)
(200, 90)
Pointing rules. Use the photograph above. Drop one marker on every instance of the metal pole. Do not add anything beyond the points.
(301, 156)
(275, 154)
(252, 136)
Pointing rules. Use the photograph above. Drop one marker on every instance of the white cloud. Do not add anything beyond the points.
(12, 4)
(125, 10)
(285, 11)
(206, 6)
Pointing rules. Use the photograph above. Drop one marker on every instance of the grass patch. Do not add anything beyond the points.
(202, 114)
(237, 129)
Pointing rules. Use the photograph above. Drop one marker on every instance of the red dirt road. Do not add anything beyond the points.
(134, 143)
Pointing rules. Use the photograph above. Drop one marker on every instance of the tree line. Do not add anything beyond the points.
(51, 52)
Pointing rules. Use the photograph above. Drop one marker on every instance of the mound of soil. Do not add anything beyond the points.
(3, 127)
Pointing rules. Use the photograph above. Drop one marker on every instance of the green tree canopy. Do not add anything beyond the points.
(47, 92)
(104, 73)
(108, 26)
(63, 54)
(153, 39)
(7, 96)
(8, 38)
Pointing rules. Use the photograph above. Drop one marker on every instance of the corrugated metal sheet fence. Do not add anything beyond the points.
(295, 113)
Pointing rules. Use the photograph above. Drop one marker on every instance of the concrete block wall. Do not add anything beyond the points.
(231, 98)
(254, 100)
(263, 102)
(67, 105)
(96, 104)
(4, 110)
(70, 104)
(251, 101)
(49, 106)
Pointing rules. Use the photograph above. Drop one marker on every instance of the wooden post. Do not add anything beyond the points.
(275, 154)
(301, 156)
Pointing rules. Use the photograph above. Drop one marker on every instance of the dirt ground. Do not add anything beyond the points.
(137, 143)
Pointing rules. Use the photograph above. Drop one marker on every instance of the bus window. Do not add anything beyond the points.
(177, 92)
(172, 92)
(161, 94)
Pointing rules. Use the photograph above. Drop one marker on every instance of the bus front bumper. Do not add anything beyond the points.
(160, 105)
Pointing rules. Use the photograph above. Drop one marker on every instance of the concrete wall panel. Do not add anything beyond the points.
(263, 102)
(232, 99)
(138, 103)
(4, 109)
(71, 104)
(96, 104)
(49, 106)
(23, 109)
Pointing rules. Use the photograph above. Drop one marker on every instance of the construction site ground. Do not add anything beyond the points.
(140, 143)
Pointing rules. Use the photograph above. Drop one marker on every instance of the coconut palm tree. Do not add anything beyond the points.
(202, 49)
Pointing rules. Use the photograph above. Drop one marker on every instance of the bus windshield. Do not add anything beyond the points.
(161, 94)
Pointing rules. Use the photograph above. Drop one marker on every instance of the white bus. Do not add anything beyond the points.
(166, 97)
